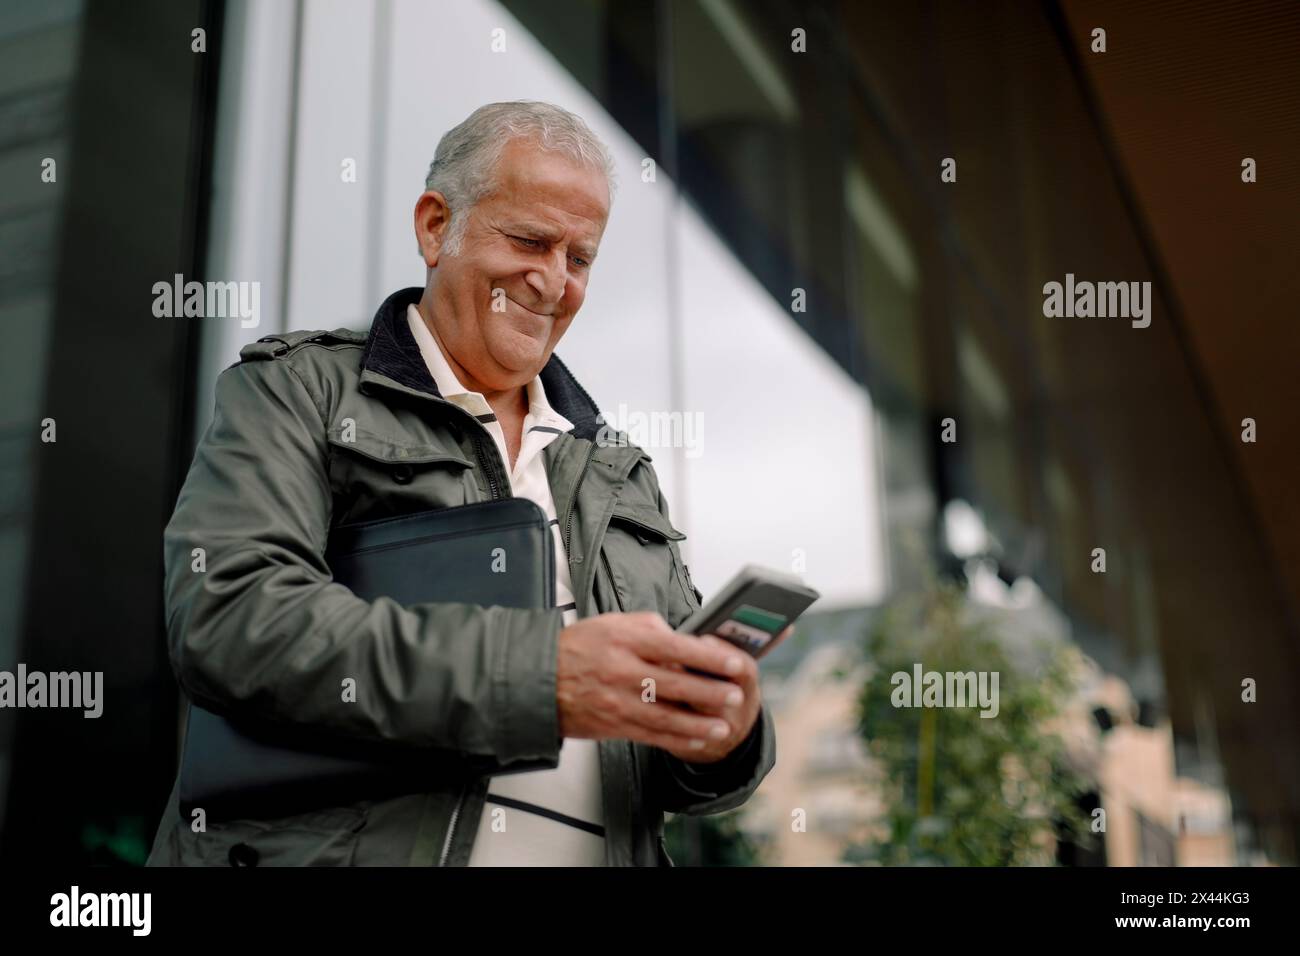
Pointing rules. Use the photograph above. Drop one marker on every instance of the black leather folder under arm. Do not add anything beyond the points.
(232, 766)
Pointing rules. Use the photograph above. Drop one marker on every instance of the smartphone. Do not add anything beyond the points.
(752, 609)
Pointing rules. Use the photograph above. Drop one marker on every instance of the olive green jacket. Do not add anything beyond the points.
(262, 630)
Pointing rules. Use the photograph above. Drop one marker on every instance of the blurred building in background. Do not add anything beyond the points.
(784, 264)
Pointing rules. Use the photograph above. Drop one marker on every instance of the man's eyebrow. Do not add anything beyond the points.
(537, 229)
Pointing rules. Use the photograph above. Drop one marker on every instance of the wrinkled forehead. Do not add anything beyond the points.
(530, 179)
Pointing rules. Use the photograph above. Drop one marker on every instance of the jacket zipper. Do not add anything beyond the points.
(573, 498)
(494, 490)
(451, 827)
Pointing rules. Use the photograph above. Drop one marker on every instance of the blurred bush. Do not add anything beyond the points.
(966, 790)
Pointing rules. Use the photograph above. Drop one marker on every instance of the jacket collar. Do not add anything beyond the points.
(391, 351)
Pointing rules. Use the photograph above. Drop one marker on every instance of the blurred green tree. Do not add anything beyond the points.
(966, 790)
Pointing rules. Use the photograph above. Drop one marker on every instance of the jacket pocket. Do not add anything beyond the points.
(640, 556)
(323, 838)
(372, 477)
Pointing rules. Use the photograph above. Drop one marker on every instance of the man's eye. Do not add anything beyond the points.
(530, 243)
(580, 262)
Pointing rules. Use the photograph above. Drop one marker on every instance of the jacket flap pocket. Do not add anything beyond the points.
(389, 452)
(645, 521)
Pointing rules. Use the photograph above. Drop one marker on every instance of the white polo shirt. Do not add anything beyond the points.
(546, 817)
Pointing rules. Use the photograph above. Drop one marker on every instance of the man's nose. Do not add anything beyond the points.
(548, 280)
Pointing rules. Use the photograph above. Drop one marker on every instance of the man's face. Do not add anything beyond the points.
(534, 238)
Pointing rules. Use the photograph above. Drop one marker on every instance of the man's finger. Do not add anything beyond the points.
(704, 694)
(662, 718)
(713, 655)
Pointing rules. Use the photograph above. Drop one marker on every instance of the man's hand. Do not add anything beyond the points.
(602, 689)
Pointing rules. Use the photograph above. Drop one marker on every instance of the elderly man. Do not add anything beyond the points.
(455, 396)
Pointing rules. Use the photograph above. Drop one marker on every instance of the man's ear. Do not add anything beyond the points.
(432, 217)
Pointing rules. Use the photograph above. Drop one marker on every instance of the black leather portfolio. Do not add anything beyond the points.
(236, 767)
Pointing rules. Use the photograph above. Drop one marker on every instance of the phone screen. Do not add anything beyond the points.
(750, 627)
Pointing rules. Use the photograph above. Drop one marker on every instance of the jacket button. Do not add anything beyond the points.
(241, 854)
(403, 474)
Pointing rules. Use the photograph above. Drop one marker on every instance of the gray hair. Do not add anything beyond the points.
(464, 165)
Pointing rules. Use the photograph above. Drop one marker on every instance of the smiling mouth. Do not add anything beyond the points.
(540, 315)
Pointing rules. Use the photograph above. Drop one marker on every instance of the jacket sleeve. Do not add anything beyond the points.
(679, 786)
(263, 631)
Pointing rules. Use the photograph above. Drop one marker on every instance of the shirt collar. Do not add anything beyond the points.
(449, 386)
(391, 359)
